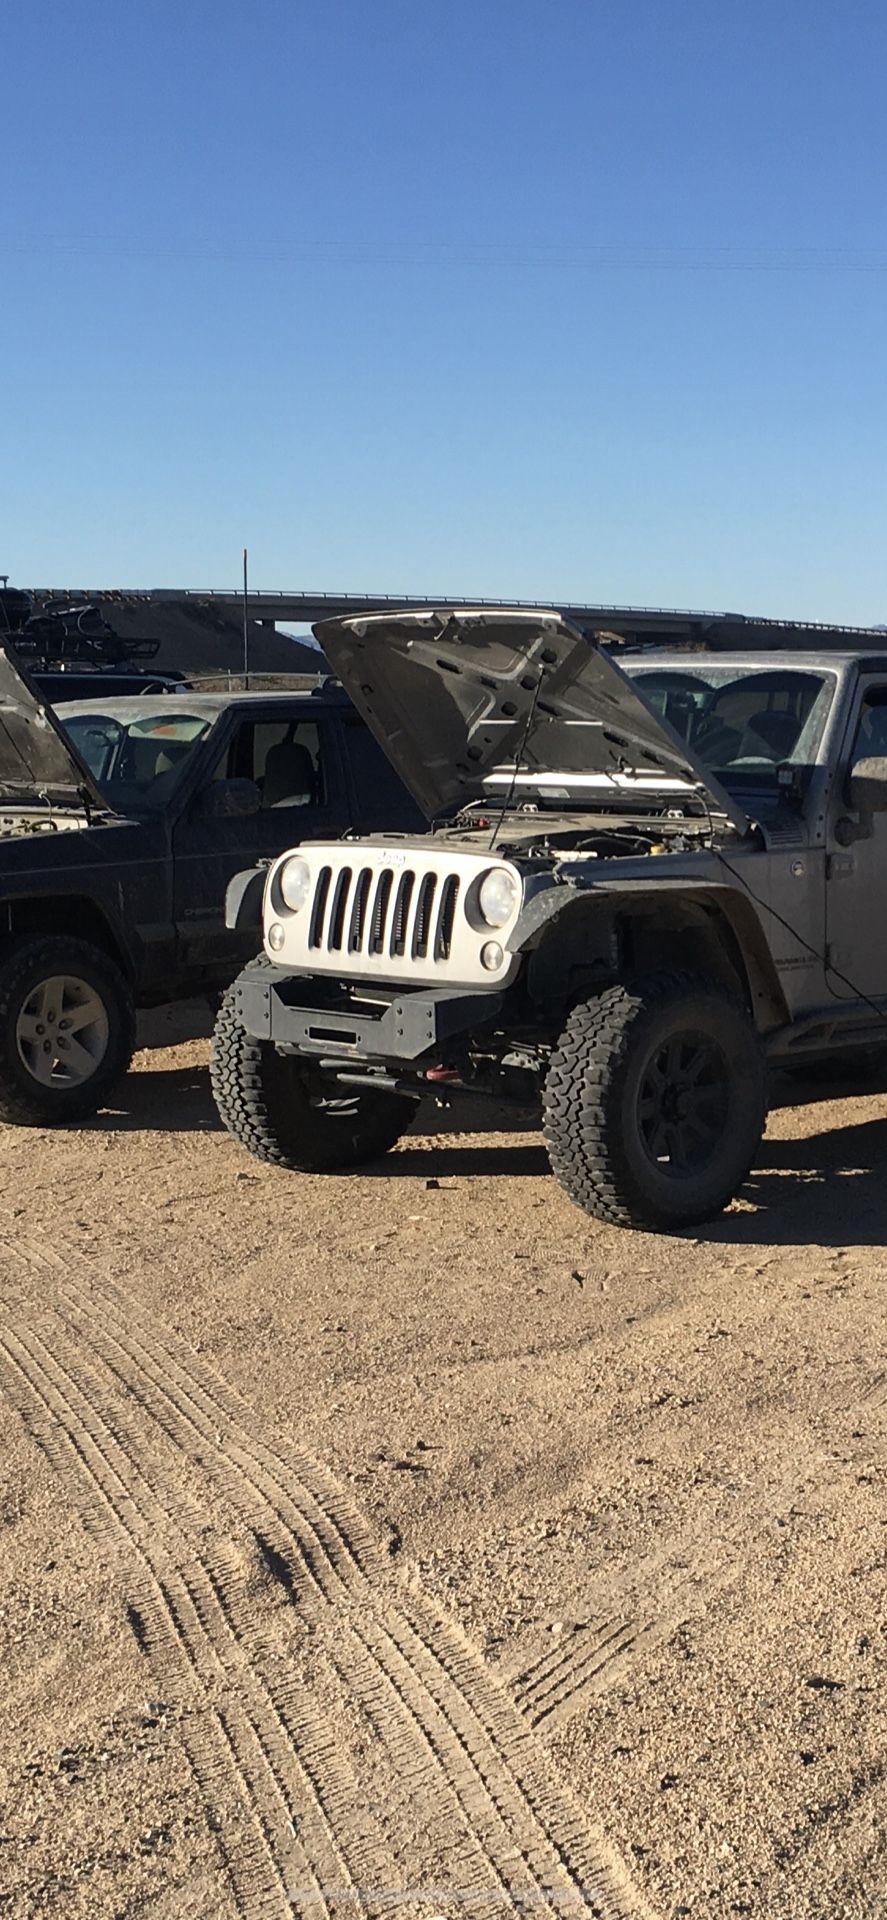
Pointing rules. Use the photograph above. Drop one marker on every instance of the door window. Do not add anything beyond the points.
(287, 760)
(871, 733)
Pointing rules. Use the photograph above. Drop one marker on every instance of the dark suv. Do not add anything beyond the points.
(121, 823)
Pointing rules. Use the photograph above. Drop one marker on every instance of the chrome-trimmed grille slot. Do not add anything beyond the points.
(318, 910)
(446, 917)
(337, 911)
(427, 891)
(400, 918)
(359, 910)
(379, 919)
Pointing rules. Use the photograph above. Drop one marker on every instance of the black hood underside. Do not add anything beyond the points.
(455, 698)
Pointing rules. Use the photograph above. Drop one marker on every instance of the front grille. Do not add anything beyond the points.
(389, 913)
(384, 913)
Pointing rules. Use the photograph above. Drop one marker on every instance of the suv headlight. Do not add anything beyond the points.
(497, 897)
(294, 882)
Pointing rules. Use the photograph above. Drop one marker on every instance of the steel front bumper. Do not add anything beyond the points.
(305, 1015)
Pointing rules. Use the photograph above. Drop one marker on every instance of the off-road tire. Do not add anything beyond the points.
(24, 1100)
(269, 1102)
(593, 1094)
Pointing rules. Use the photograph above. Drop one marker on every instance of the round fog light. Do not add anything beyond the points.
(276, 936)
(491, 956)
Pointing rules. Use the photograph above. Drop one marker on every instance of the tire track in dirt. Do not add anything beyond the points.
(203, 1597)
(569, 1669)
(477, 1808)
(475, 1796)
(876, 1394)
(148, 1425)
(175, 1625)
(156, 1613)
(552, 1683)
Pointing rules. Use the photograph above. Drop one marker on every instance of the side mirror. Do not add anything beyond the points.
(867, 786)
(229, 800)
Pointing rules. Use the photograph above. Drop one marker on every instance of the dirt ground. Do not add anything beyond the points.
(409, 1541)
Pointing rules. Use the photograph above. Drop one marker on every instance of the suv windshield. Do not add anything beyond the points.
(741, 722)
(136, 762)
(745, 725)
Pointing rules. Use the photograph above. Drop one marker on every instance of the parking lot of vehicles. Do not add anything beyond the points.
(121, 822)
(644, 885)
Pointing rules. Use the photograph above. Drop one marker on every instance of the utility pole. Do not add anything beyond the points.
(245, 624)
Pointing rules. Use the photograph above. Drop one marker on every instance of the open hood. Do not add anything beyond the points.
(454, 695)
(37, 760)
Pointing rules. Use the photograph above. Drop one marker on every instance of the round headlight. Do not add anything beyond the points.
(294, 881)
(497, 897)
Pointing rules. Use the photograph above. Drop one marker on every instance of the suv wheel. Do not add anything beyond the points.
(67, 1031)
(288, 1111)
(655, 1102)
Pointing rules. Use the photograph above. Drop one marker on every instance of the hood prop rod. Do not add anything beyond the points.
(517, 760)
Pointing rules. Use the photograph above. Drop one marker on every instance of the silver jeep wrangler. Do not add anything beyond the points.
(642, 884)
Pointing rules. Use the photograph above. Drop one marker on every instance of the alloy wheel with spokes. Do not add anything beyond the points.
(684, 1103)
(62, 1031)
(655, 1101)
(67, 1029)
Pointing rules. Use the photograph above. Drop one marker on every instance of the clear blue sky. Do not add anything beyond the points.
(548, 298)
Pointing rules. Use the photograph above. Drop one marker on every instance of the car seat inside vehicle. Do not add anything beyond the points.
(774, 733)
(290, 775)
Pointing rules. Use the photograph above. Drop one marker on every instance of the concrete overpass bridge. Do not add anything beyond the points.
(268, 610)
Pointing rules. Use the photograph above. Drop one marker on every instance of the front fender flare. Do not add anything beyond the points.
(243, 900)
(609, 897)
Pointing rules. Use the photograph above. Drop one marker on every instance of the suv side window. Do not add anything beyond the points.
(871, 733)
(287, 760)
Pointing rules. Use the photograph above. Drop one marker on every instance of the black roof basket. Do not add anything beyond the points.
(66, 635)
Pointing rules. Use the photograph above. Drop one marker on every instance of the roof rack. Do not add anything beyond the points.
(74, 633)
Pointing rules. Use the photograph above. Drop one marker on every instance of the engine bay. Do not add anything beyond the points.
(536, 835)
(15, 824)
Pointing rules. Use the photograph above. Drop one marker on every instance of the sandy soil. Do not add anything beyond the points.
(410, 1534)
